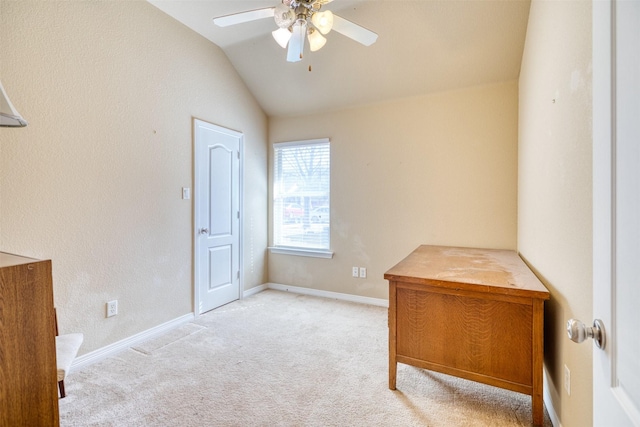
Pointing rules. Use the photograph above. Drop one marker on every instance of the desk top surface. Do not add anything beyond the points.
(8, 260)
(480, 270)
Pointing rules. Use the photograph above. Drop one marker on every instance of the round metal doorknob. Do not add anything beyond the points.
(578, 332)
(204, 231)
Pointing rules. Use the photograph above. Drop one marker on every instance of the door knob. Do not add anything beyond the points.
(578, 332)
(204, 231)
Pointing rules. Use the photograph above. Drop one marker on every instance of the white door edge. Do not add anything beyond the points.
(610, 406)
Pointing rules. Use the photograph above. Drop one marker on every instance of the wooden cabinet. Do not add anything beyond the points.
(473, 313)
(28, 376)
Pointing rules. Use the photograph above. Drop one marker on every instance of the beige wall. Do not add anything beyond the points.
(554, 187)
(437, 169)
(110, 90)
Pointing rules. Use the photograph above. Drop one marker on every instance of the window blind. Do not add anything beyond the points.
(301, 208)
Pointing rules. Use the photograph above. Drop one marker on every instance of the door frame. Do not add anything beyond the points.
(195, 210)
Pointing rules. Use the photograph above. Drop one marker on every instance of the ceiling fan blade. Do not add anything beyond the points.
(354, 31)
(296, 43)
(239, 18)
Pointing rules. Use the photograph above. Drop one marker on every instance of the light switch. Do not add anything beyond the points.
(186, 193)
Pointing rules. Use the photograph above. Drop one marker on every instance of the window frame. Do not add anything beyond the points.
(298, 250)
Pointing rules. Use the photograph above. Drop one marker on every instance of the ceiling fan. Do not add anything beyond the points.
(297, 18)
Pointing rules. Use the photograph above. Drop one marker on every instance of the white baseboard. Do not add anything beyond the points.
(115, 348)
(548, 402)
(254, 290)
(328, 294)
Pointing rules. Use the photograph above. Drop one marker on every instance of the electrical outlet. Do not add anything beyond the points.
(567, 379)
(354, 271)
(112, 308)
(363, 272)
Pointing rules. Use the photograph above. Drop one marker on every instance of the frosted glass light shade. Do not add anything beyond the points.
(282, 36)
(316, 41)
(284, 16)
(323, 21)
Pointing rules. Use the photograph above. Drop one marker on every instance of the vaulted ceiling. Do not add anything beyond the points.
(423, 46)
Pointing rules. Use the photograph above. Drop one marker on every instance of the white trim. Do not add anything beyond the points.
(241, 210)
(320, 253)
(328, 294)
(117, 347)
(253, 291)
(194, 224)
(305, 142)
(546, 397)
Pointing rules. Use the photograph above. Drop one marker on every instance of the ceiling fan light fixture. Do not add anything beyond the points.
(282, 36)
(284, 16)
(297, 19)
(323, 21)
(316, 41)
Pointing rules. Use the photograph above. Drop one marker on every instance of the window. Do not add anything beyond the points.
(301, 191)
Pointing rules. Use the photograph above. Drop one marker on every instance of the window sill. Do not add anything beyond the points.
(314, 253)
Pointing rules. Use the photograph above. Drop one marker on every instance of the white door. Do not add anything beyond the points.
(217, 215)
(616, 210)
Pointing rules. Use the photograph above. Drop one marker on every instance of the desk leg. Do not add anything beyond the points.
(393, 364)
(537, 404)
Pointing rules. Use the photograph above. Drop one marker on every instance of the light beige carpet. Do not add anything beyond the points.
(279, 359)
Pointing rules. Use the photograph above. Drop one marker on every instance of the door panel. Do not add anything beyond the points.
(222, 275)
(616, 210)
(221, 184)
(217, 215)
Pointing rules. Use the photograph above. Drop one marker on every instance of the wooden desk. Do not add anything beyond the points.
(28, 373)
(473, 313)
